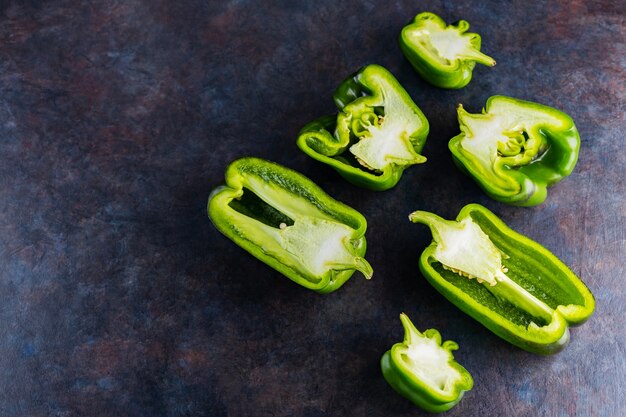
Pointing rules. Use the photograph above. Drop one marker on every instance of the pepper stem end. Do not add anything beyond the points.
(364, 267)
(481, 58)
(410, 331)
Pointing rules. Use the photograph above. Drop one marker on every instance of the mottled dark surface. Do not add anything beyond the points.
(119, 298)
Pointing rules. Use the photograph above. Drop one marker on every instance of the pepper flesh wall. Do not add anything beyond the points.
(516, 149)
(444, 55)
(423, 370)
(285, 220)
(509, 283)
(378, 133)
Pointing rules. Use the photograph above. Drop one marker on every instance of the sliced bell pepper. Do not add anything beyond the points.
(285, 220)
(515, 149)
(445, 56)
(378, 133)
(423, 370)
(511, 284)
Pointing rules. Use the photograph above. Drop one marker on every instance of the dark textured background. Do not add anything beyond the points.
(119, 298)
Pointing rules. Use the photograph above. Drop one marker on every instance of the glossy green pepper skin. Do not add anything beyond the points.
(285, 220)
(515, 149)
(445, 56)
(423, 370)
(511, 284)
(378, 133)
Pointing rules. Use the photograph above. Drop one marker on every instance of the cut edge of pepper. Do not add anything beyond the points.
(412, 386)
(358, 89)
(336, 274)
(562, 315)
(432, 57)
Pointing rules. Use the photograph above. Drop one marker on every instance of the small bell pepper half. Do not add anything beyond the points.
(378, 133)
(511, 284)
(515, 149)
(423, 370)
(285, 220)
(445, 56)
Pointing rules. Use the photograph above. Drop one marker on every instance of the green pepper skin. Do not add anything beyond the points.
(526, 148)
(285, 220)
(371, 100)
(400, 373)
(448, 64)
(530, 265)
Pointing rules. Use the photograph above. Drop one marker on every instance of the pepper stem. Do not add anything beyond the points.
(410, 332)
(476, 55)
(358, 263)
(364, 267)
(462, 247)
(425, 217)
(434, 222)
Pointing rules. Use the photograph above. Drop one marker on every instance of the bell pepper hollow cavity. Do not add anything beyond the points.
(285, 220)
(511, 284)
(378, 133)
(445, 56)
(516, 149)
(423, 370)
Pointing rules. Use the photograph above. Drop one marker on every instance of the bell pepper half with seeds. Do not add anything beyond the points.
(444, 55)
(511, 284)
(378, 133)
(285, 220)
(516, 149)
(423, 370)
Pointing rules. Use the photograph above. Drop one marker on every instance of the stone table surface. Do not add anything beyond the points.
(118, 296)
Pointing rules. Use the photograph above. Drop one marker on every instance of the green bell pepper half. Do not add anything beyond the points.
(511, 284)
(285, 220)
(445, 56)
(423, 370)
(378, 133)
(515, 149)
